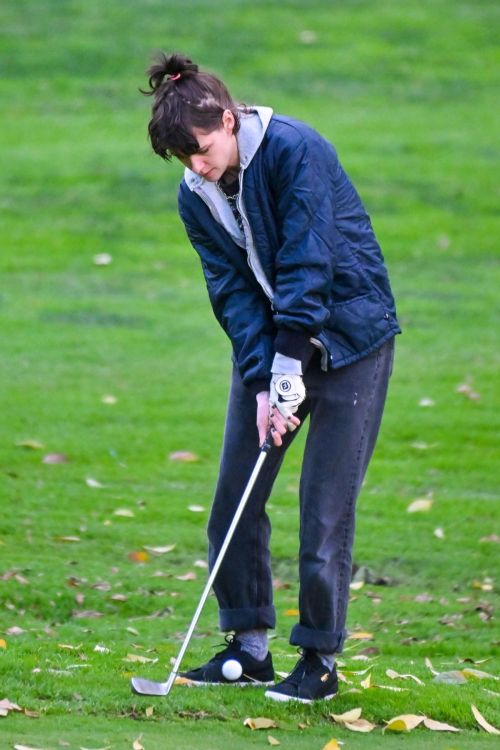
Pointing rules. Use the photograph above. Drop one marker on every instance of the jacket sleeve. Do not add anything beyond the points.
(305, 167)
(238, 306)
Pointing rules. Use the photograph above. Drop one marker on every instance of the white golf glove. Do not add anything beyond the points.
(287, 390)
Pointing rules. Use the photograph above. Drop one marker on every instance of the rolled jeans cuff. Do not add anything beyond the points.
(318, 640)
(247, 618)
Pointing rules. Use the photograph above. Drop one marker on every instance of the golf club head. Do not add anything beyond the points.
(148, 687)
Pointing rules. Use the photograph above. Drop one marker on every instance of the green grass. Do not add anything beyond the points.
(407, 93)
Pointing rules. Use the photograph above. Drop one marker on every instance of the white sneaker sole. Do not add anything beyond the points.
(286, 698)
(253, 683)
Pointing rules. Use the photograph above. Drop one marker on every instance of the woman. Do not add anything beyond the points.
(297, 280)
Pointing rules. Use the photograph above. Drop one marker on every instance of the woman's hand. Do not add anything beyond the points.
(265, 419)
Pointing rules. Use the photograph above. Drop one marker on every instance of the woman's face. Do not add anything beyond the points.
(218, 152)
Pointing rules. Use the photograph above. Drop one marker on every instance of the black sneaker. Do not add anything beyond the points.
(309, 681)
(255, 672)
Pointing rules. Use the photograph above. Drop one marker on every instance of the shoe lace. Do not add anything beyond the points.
(230, 645)
(295, 676)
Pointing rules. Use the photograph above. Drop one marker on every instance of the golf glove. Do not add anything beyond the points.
(287, 387)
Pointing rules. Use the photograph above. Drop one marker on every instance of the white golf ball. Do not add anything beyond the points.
(232, 669)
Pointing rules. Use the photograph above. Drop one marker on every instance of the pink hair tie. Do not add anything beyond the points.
(174, 78)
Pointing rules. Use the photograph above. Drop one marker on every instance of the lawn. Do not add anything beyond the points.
(99, 363)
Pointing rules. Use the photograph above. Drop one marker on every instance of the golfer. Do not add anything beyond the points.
(297, 280)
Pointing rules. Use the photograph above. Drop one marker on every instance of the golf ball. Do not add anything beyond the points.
(232, 669)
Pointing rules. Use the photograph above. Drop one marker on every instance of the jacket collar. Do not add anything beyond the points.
(252, 130)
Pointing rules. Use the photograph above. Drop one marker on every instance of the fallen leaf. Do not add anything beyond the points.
(200, 564)
(455, 677)
(67, 539)
(283, 675)
(2, 643)
(24, 747)
(55, 458)
(196, 508)
(137, 657)
(360, 725)
(124, 512)
(183, 681)
(272, 740)
(426, 402)
(389, 687)
(482, 721)
(403, 723)
(366, 683)
(77, 697)
(86, 613)
(291, 612)
(14, 630)
(102, 259)
(64, 744)
(491, 692)
(332, 745)
(358, 636)
(183, 456)
(93, 483)
(31, 714)
(190, 576)
(150, 711)
(351, 715)
(133, 631)
(118, 598)
(6, 704)
(490, 538)
(160, 550)
(260, 723)
(32, 444)
(109, 400)
(356, 585)
(102, 649)
(138, 557)
(439, 533)
(69, 648)
(478, 674)
(437, 726)
(394, 675)
(108, 747)
(137, 745)
(419, 505)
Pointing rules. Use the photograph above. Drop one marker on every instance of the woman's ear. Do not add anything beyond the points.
(228, 121)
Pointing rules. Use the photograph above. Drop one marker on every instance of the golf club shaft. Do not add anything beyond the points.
(266, 447)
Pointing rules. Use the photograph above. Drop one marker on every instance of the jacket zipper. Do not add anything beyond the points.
(251, 246)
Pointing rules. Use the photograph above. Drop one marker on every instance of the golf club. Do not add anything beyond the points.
(149, 687)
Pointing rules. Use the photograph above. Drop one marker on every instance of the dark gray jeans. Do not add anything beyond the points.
(345, 410)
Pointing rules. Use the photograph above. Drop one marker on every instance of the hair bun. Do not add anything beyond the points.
(168, 66)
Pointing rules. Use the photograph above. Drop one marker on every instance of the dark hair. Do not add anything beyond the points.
(195, 100)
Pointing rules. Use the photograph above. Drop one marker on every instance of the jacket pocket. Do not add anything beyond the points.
(357, 323)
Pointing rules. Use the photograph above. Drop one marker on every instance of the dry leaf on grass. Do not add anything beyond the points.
(332, 745)
(24, 747)
(32, 444)
(55, 458)
(137, 657)
(67, 539)
(160, 550)
(394, 675)
(2, 643)
(359, 636)
(196, 508)
(137, 745)
(360, 725)
(93, 483)
(403, 723)
(478, 675)
(14, 630)
(272, 740)
(200, 564)
(124, 512)
(108, 747)
(455, 677)
(187, 576)
(351, 715)
(490, 538)
(260, 723)
(291, 612)
(438, 726)
(366, 683)
(419, 505)
(183, 456)
(482, 721)
(138, 557)
(183, 681)
(150, 710)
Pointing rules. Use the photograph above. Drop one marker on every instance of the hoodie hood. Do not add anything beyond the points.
(253, 127)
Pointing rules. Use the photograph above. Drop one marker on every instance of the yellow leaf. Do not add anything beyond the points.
(360, 725)
(137, 745)
(150, 710)
(403, 723)
(183, 456)
(260, 723)
(366, 683)
(124, 512)
(33, 444)
(438, 726)
(128, 674)
(394, 675)
(351, 715)
(283, 675)
(356, 636)
(183, 681)
(482, 721)
(332, 745)
(138, 557)
(190, 576)
(419, 505)
(67, 539)
(291, 612)
(2, 643)
(137, 657)
(159, 550)
(272, 740)
(478, 674)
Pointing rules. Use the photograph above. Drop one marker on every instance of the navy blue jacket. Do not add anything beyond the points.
(317, 249)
